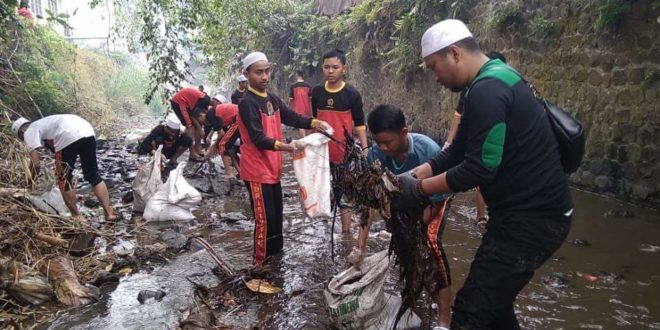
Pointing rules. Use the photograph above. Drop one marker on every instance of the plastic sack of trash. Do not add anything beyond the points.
(147, 181)
(356, 300)
(46, 196)
(50, 202)
(173, 200)
(312, 170)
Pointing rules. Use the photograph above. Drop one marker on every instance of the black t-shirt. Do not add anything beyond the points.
(505, 145)
(158, 137)
(347, 99)
(250, 110)
(237, 96)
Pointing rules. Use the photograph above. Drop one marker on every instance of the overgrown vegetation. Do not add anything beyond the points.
(611, 13)
(504, 15)
(174, 32)
(42, 74)
(541, 27)
(651, 77)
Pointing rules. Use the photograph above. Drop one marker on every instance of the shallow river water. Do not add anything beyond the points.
(607, 277)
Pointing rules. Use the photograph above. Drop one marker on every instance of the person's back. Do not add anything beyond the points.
(299, 96)
(530, 176)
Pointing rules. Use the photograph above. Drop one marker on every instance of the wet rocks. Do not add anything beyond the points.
(233, 217)
(104, 277)
(649, 248)
(614, 213)
(91, 202)
(201, 184)
(145, 295)
(556, 281)
(579, 242)
(173, 240)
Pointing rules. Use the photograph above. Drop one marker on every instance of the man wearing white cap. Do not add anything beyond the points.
(260, 118)
(506, 147)
(174, 142)
(238, 94)
(69, 137)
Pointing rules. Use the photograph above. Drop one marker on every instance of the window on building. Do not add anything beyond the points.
(35, 7)
(52, 6)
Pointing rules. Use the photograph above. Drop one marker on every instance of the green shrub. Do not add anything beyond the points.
(610, 13)
(504, 15)
(651, 77)
(541, 27)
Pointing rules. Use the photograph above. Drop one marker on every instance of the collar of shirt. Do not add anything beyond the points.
(411, 152)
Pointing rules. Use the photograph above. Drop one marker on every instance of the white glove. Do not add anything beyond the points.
(298, 145)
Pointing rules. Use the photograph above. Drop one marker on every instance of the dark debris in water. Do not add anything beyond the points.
(579, 242)
(556, 281)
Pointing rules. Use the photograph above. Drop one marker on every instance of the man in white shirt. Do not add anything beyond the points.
(68, 136)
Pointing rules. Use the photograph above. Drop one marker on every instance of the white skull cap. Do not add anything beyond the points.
(18, 124)
(173, 122)
(253, 58)
(442, 35)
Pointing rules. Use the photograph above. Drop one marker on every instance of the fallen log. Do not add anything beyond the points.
(68, 290)
(24, 284)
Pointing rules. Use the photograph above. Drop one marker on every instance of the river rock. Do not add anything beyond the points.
(579, 242)
(145, 295)
(619, 214)
(233, 217)
(173, 240)
(643, 189)
(556, 281)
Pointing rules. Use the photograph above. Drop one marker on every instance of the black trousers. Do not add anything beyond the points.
(512, 249)
(66, 160)
(266, 200)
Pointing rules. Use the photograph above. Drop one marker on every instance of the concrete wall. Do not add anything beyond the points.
(599, 76)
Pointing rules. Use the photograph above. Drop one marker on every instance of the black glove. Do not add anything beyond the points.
(410, 193)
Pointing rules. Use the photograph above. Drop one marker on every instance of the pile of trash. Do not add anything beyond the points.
(374, 186)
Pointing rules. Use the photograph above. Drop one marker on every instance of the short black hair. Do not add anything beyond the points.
(338, 53)
(201, 88)
(198, 111)
(204, 101)
(386, 118)
(470, 44)
(496, 55)
(300, 74)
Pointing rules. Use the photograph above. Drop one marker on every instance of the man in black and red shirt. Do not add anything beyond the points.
(223, 119)
(260, 118)
(299, 95)
(184, 103)
(339, 104)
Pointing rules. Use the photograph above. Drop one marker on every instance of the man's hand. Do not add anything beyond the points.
(410, 193)
(324, 126)
(298, 145)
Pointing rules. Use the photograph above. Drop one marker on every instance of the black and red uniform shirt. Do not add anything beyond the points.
(222, 116)
(237, 96)
(187, 99)
(342, 109)
(260, 118)
(299, 94)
